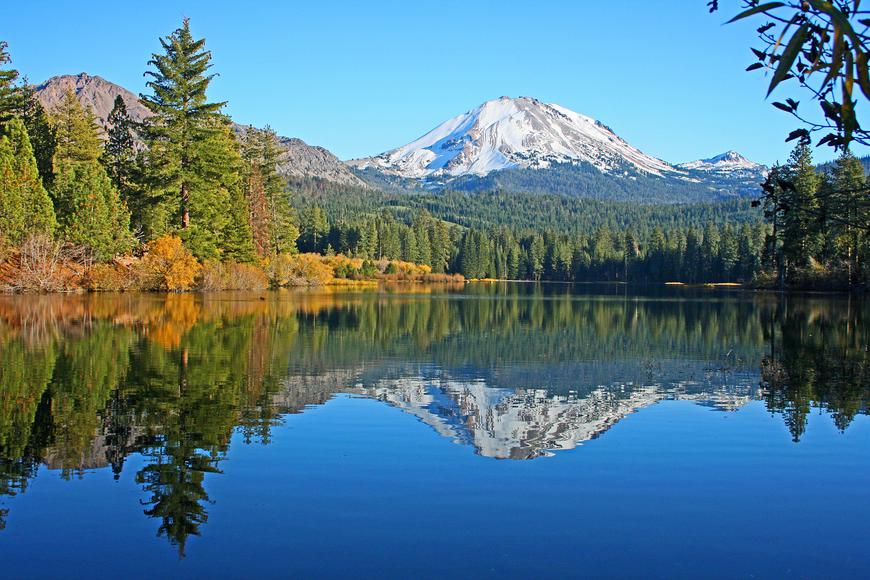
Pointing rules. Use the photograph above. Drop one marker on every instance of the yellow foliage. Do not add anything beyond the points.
(107, 278)
(169, 266)
(231, 276)
(299, 270)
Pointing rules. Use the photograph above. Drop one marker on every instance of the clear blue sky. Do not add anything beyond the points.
(363, 77)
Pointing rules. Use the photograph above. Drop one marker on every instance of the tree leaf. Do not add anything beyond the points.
(788, 56)
(756, 10)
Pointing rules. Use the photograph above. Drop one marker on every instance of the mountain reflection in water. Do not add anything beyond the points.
(514, 372)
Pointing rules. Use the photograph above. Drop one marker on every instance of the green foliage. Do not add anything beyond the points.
(76, 132)
(25, 207)
(10, 96)
(41, 133)
(849, 208)
(273, 220)
(819, 221)
(313, 230)
(89, 208)
(119, 153)
(193, 158)
(238, 241)
(822, 46)
(90, 212)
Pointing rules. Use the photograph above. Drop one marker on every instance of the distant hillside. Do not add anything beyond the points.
(865, 161)
(298, 160)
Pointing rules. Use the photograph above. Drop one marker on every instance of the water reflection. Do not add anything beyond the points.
(514, 372)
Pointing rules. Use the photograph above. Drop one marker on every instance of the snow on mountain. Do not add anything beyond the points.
(729, 161)
(514, 132)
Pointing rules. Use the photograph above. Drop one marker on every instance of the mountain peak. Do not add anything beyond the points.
(729, 161)
(510, 132)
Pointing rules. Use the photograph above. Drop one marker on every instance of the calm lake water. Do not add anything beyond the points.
(480, 430)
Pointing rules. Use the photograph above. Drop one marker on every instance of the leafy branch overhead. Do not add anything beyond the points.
(823, 46)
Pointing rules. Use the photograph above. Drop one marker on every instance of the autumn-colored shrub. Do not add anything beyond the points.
(107, 278)
(231, 276)
(168, 265)
(299, 270)
(41, 265)
(245, 277)
(211, 276)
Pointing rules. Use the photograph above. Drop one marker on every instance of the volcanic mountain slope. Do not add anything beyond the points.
(525, 145)
(297, 160)
(509, 133)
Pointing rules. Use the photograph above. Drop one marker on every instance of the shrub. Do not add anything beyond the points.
(211, 276)
(108, 278)
(299, 270)
(231, 276)
(40, 265)
(168, 265)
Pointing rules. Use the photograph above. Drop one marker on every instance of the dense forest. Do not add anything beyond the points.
(183, 200)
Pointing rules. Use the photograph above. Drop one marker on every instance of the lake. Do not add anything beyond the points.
(507, 430)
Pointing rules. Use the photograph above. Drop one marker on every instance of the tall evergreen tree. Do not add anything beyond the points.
(77, 134)
(89, 208)
(800, 233)
(314, 229)
(273, 220)
(10, 95)
(40, 131)
(851, 214)
(119, 154)
(185, 133)
(25, 207)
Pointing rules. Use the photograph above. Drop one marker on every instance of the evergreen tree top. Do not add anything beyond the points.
(76, 131)
(9, 93)
(179, 81)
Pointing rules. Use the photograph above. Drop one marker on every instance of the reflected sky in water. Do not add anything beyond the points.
(514, 430)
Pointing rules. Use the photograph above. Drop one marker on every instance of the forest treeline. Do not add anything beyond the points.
(186, 199)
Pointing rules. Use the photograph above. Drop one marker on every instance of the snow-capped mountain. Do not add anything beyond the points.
(728, 162)
(508, 133)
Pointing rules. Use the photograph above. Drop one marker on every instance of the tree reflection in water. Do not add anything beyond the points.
(515, 371)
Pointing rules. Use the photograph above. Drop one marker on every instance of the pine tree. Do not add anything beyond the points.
(536, 253)
(441, 247)
(89, 208)
(368, 246)
(409, 244)
(729, 253)
(710, 253)
(314, 229)
(421, 233)
(238, 242)
(848, 201)
(119, 154)
(77, 134)
(40, 131)
(25, 207)
(800, 233)
(185, 133)
(273, 220)
(10, 95)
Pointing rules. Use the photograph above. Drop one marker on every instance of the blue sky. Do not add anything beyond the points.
(363, 77)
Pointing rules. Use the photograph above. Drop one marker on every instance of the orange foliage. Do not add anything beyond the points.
(169, 266)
